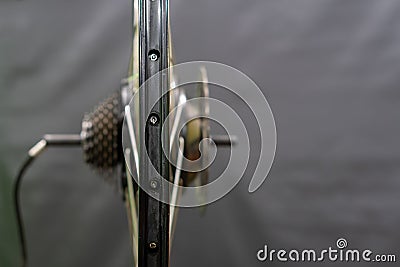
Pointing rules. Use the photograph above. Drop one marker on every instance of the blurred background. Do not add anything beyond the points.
(330, 70)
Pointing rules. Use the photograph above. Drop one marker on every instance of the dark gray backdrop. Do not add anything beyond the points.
(329, 68)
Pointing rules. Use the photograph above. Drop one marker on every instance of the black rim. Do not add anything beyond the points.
(153, 238)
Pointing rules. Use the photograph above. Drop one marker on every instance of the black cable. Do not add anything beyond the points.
(48, 140)
(16, 196)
